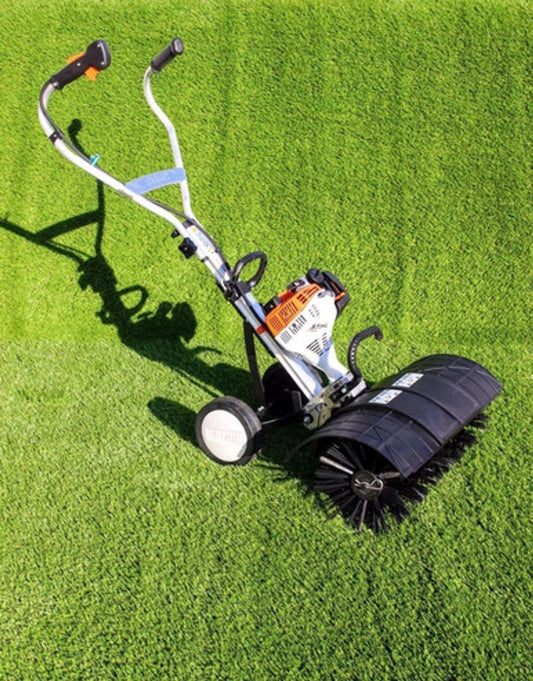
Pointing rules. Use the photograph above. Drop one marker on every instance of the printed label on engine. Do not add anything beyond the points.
(287, 334)
(407, 380)
(385, 396)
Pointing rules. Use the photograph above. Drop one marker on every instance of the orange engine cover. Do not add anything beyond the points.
(292, 303)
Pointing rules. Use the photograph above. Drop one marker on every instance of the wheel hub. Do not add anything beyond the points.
(366, 485)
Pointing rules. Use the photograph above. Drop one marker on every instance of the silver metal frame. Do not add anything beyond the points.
(306, 377)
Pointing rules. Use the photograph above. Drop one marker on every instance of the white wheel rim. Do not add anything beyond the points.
(224, 435)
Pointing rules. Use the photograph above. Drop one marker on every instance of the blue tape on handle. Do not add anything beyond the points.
(163, 178)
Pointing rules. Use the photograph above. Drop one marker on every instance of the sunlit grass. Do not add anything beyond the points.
(388, 142)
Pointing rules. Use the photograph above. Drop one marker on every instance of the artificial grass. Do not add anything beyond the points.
(385, 141)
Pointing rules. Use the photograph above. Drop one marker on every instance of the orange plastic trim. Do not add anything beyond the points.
(292, 303)
(91, 72)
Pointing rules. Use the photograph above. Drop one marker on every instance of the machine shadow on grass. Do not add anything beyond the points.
(161, 335)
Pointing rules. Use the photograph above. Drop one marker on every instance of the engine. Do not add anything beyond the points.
(301, 320)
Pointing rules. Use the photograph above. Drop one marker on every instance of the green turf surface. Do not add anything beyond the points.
(387, 141)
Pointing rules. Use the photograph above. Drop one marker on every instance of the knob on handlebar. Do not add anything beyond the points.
(97, 56)
(167, 55)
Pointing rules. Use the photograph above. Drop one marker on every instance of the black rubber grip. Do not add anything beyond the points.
(97, 56)
(354, 344)
(246, 260)
(167, 55)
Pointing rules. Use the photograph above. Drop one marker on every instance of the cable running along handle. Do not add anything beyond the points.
(96, 58)
(167, 55)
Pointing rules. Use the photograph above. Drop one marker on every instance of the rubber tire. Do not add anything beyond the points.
(243, 423)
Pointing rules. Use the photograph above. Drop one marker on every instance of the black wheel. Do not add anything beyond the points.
(228, 431)
(279, 387)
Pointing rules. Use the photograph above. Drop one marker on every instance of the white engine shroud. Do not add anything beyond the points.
(309, 335)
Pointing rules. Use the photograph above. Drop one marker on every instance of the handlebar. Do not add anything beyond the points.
(354, 344)
(167, 55)
(236, 286)
(96, 58)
